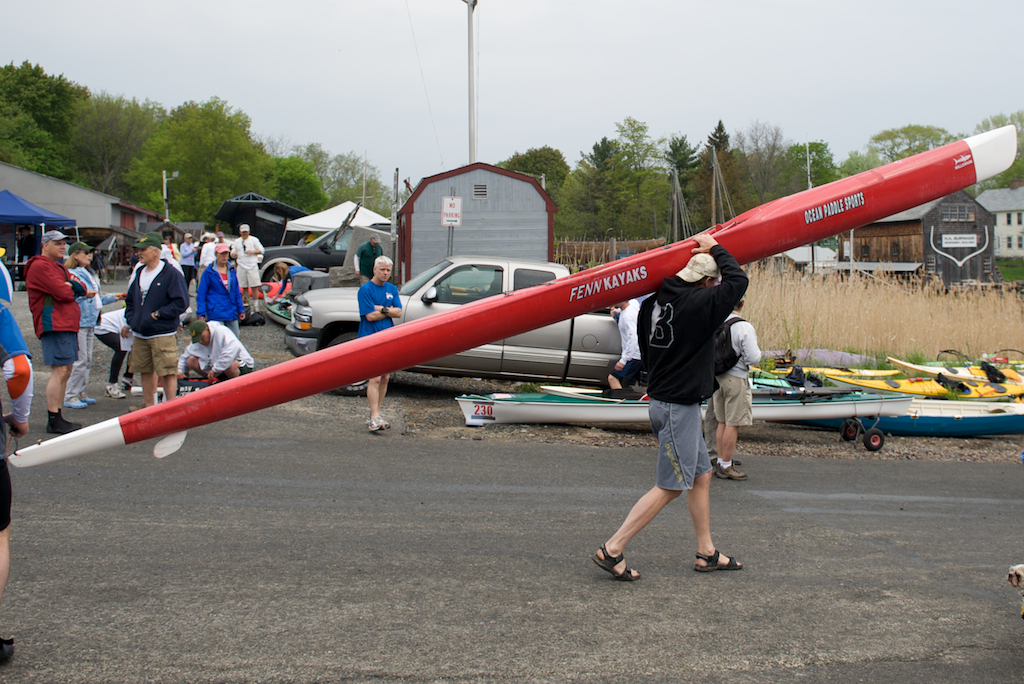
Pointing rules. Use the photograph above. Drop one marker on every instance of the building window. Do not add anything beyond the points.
(865, 251)
(1009, 242)
(957, 212)
(479, 192)
(986, 265)
(1020, 242)
(1009, 219)
(929, 264)
(895, 249)
(1020, 218)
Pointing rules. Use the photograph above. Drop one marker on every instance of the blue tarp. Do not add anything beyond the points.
(13, 209)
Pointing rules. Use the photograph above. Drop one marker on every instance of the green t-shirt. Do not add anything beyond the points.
(367, 254)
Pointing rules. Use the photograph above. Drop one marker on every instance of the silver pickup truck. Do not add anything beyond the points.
(580, 350)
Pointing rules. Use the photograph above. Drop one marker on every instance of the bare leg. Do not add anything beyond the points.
(698, 500)
(375, 392)
(726, 437)
(643, 512)
(149, 383)
(613, 382)
(170, 386)
(56, 386)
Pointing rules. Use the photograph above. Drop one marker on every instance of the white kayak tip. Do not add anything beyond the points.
(994, 151)
(88, 440)
(169, 444)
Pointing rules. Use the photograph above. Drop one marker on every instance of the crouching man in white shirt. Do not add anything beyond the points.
(215, 353)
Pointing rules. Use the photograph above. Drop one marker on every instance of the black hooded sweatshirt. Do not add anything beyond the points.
(678, 348)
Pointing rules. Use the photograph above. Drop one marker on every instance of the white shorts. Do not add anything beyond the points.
(248, 277)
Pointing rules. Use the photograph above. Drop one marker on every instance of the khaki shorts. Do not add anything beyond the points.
(156, 355)
(248, 277)
(732, 401)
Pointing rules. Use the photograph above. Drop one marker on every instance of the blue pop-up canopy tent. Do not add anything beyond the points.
(13, 209)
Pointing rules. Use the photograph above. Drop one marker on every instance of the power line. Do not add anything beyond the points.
(424, 79)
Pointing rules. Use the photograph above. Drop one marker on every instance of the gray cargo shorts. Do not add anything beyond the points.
(682, 453)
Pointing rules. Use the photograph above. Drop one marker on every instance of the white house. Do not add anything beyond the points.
(1008, 206)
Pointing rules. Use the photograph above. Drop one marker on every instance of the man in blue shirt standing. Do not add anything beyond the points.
(378, 305)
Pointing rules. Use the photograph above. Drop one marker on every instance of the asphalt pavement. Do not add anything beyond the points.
(290, 545)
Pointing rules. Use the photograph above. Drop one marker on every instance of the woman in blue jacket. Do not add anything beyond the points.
(218, 297)
(79, 262)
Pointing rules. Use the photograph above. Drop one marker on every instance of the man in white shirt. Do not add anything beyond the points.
(215, 353)
(627, 370)
(206, 255)
(732, 402)
(247, 251)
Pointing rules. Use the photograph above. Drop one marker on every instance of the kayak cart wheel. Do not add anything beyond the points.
(874, 439)
(849, 430)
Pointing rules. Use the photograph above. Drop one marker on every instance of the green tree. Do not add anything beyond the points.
(649, 188)
(794, 171)
(537, 161)
(732, 186)
(1016, 169)
(858, 162)
(39, 114)
(211, 146)
(591, 200)
(296, 183)
(342, 175)
(899, 143)
(681, 156)
(110, 134)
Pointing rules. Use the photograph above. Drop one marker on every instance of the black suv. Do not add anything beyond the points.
(320, 255)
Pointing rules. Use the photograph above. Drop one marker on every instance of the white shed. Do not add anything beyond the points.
(504, 213)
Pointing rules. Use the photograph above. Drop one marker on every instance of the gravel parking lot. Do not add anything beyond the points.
(424, 406)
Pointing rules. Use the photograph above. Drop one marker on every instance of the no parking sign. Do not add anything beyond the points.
(451, 211)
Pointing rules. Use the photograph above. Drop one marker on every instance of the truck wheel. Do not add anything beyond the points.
(356, 389)
(267, 269)
(874, 439)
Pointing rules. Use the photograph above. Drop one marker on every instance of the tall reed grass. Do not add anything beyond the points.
(878, 315)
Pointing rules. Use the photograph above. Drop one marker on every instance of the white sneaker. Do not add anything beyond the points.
(114, 392)
(374, 424)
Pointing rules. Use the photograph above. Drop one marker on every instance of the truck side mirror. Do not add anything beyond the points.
(325, 248)
(430, 296)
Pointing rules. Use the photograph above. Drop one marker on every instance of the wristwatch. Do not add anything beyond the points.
(384, 310)
(156, 314)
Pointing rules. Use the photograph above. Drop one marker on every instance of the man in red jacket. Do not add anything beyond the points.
(55, 316)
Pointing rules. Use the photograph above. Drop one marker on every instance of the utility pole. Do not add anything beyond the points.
(167, 206)
(471, 5)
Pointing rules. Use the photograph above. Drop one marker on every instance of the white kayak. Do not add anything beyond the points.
(587, 406)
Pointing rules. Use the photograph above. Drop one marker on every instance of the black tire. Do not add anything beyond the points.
(356, 389)
(849, 430)
(874, 439)
(267, 269)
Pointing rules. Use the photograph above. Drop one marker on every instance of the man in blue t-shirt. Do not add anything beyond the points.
(378, 305)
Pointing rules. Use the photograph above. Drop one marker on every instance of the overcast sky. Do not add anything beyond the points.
(350, 75)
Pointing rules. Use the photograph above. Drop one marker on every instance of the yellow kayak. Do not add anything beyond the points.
(929, 387)
(856, 372)
(975, 373)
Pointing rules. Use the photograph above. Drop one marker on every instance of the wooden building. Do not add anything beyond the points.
(265, 217)
(951, 239)
(503, 213)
